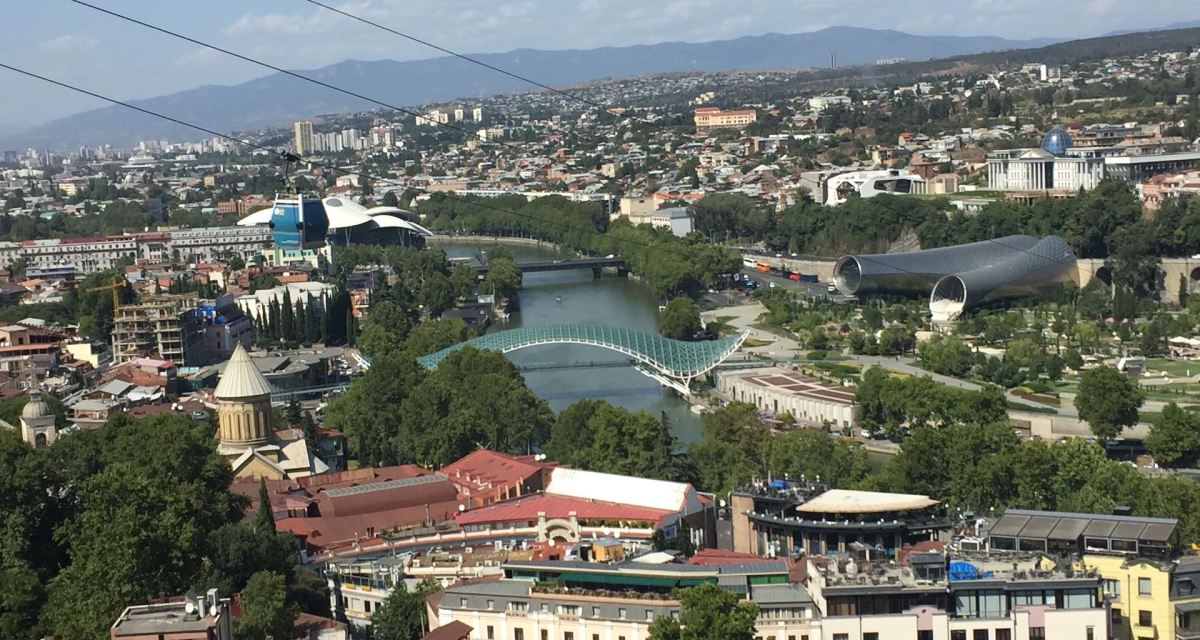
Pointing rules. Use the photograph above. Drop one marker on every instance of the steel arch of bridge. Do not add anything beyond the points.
(672, 362)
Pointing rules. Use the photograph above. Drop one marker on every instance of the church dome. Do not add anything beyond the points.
(241, 379)
(36, 408)
(1056, 141)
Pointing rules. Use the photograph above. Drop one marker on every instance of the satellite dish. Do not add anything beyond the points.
(190, 602)
(213, 611)
(462, 508)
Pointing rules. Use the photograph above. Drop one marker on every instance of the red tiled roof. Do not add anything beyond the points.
(360, 476)
(483, 466)
(721, 556)
(527, 508)
(453, 630)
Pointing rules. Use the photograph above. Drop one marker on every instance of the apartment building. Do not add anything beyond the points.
(1132, 555)
(935, 595)
(215, 243)
(709, 118)
(163, 325)
(577, 600)
(86, 255)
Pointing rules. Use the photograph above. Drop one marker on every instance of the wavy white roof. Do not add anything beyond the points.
(345, 214)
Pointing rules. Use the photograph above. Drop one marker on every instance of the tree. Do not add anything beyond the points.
(402, 615)
(732, 448)
(265, 611)
(1108, 401)
(813, 454)
(594, 435)
(390, 200)
(708, 612)
(1174, 438)
(680, 320)
(385, 329)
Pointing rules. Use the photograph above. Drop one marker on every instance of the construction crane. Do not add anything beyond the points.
(116, 285)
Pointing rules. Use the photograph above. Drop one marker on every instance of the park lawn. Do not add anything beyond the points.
(750, 343)
(1174, 368)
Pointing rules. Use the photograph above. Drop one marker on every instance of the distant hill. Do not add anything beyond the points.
(1171, 27)
(277, 99)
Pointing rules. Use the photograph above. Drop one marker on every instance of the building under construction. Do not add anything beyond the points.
(162, 325)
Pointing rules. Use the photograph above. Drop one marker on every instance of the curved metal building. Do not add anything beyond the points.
(960, 277)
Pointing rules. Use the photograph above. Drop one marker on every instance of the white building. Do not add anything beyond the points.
(257, 303)
(1039, 170)
(776, 390)
(867, 184)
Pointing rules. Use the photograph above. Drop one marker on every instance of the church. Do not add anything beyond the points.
(36, 424)
(245, 430)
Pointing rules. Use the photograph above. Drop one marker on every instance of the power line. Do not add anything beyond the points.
(322, 84)
(472, 60)
(278, 69)
(536, 83)
(478, 203)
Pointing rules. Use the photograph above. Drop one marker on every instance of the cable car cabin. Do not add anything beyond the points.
(299, 223)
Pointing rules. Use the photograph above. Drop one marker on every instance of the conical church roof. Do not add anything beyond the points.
(241, 379)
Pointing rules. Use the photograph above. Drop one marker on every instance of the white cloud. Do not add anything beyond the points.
(66, 44)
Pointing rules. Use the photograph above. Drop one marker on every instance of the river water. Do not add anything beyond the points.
(575, 297)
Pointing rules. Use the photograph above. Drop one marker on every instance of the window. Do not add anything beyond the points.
(545, 634)
(870, 635)
(595, 636)
(462, 602)
(567, 635)
(491, 605)
(1143, 586)
(1112, 589)
(518, 634)
(622, 613)
(1003, 634)
(491, 632)
(367, 606)
(958, 634)
(1091, 633)
(518, 606)
(595, 612)
(568, 610)
(1078, 599)
(979, 634)
(1037, 633)
(649, 615)
(545, 608)
(1145, 619)
(841, 636)
(925, 634)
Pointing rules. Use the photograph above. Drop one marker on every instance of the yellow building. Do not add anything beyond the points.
(1138, 591)
(708, 118)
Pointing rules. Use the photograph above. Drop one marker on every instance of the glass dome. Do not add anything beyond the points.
(1056, 141)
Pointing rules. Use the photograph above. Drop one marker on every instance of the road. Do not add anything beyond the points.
(811, 289)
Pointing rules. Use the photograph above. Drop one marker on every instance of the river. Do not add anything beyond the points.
(575, 297)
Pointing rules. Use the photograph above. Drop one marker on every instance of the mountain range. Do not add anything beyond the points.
(277, 99)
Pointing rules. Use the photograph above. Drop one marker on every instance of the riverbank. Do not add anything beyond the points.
(527, 242)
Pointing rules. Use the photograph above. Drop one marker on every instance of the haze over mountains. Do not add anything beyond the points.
(277, 99)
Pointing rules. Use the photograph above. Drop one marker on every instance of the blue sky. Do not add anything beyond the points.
(78, 45)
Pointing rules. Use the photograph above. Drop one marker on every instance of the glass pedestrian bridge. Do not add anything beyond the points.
(674, 363)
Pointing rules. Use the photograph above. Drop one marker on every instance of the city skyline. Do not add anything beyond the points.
(130, 62)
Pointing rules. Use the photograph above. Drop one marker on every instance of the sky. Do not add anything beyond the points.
(78, 45)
